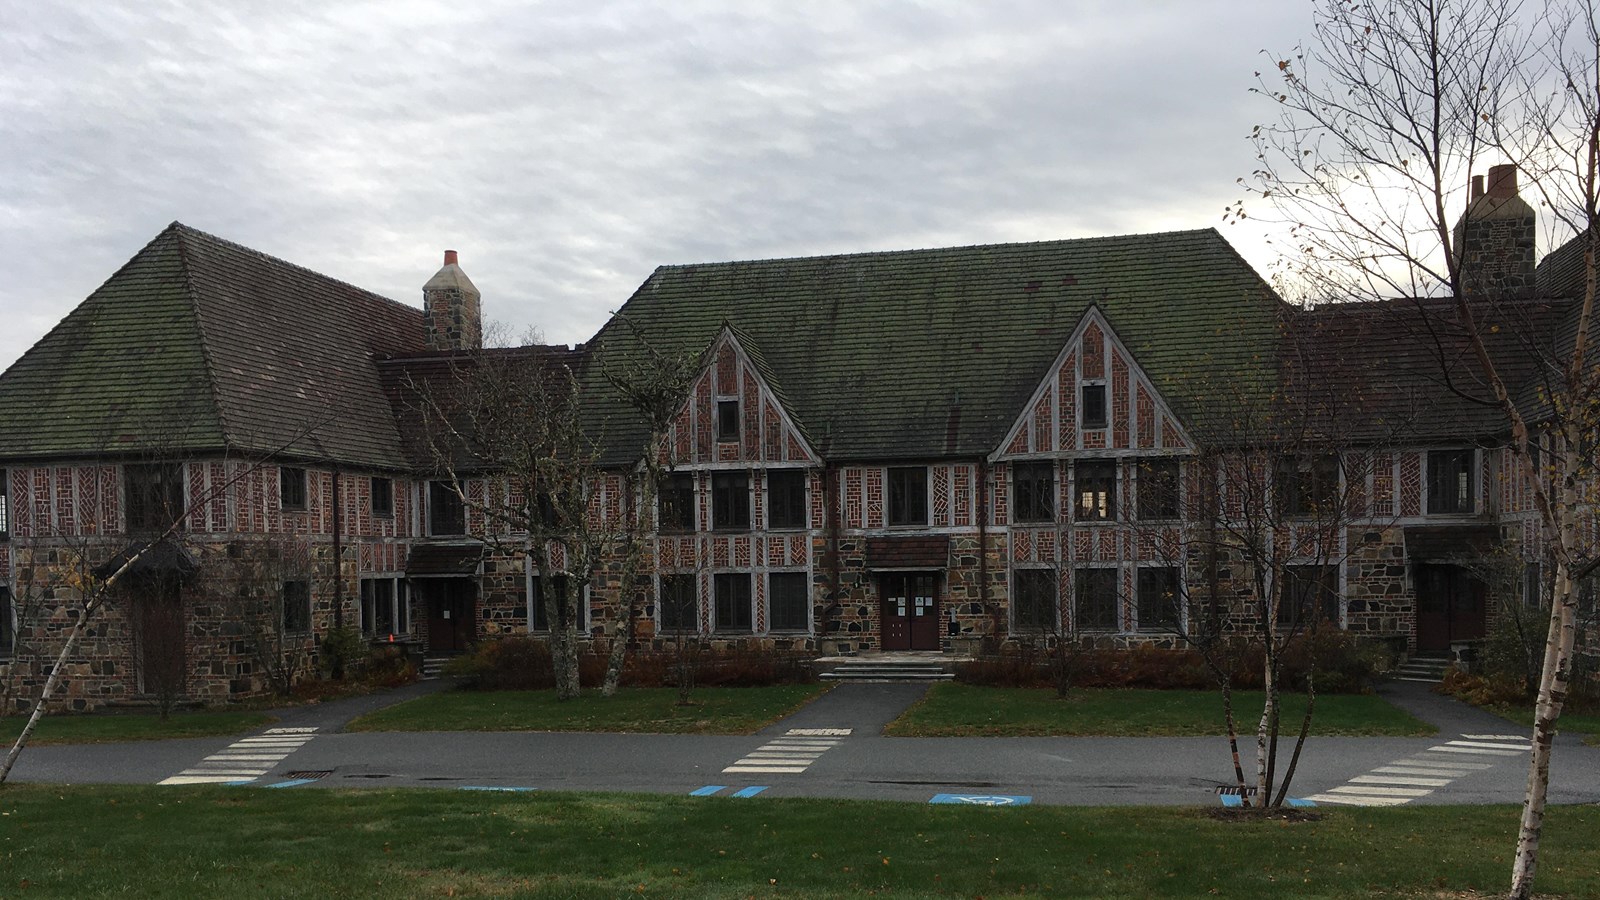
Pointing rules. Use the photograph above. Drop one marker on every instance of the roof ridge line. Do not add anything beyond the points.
(192, 294)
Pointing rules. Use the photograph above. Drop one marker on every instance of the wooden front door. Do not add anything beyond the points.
(910, 611)
(1450, 607)
(452, 613)
(158, 637)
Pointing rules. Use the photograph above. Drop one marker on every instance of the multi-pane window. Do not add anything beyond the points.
(447, 515)
(1033, 490)
(291, 487)
(557, 586)
(5, 507)
(786, 498)
(908, 495)
(1533, 585)
(296, 606)
(1095, 600)
(679, 608)
(675, 504)
(153, 495)
(1450, 482)
(1308, 594)
(384, 611)
(1307, 486)
(732, 594)
(730, 501)
(1093, 407)
(1095, 489)
(788, 602)
(1157, 487)
(727, 420)
(1158, 598)
(382, 497)
(1033, 598)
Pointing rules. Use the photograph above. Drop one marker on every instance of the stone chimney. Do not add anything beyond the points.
(1495, 237)
(455, 321)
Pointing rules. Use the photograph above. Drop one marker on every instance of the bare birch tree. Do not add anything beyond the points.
(1381, 124)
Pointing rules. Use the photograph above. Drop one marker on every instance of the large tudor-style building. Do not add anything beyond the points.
(914, 450)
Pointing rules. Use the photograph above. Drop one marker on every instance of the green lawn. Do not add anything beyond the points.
(958, 710)
(251, 842)
(719, 710)
(1586, 722)
(106, 727)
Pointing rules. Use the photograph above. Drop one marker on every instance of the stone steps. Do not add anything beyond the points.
(432, 666)
(886, 671)
(1423, 669)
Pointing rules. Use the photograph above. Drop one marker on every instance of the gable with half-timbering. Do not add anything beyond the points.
(1095, 398)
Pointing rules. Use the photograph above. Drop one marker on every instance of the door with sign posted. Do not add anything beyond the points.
(910, 613)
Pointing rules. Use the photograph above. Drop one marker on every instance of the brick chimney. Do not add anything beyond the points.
(1495, 237)
(450, 301)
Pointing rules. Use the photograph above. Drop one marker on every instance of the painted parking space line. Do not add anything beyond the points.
(1405, 780)
(790, 754)
(707, 791)
(1356, 800)
(496, 788)
(983, 799)
(1496, 737)
(750, 791)
(246, 759)
(295, 782)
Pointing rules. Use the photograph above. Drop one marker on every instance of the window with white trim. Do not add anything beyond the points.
(385, 612)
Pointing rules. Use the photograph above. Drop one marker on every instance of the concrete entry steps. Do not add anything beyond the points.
(916, 666)
(1425, 669)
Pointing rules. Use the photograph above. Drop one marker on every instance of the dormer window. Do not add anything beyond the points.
(728, 421)
(1093, 407)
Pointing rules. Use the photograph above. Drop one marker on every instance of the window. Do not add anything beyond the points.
(728, 420)
(908, 495)
(447, 515)
(788, 602)
(730, 501)
(8, 624)
(291, 487)
(679, 608)
(382, 497)
(1158, 599)
(546, 511)
(1308, 594)
(1033, 599)
(675, 505)
(1033, 489)
(296, 606)
(5, 509)
(733, 601)
(1306, 487)
(1096, 490)
(786, 498)
(538, 616)
(1533, 585)
(1095, 598)
(384, 611)
(1093, 407)
(1158, 489)
(1450, 482)
(154, 495)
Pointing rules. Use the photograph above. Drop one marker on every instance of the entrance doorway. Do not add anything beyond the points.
(910, 611)
(158, 636)
(1450, 607)
(452, 614)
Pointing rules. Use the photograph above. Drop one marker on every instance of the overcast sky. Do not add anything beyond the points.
(568, 148)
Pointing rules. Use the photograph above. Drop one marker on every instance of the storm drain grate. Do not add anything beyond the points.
(1233, 790)
(310, 776)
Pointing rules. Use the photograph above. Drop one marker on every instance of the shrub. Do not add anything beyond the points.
(341, 653)
(523, 663)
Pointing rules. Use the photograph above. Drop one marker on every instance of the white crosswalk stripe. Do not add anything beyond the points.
(791, 754)
(245, 759)
(1420, 774)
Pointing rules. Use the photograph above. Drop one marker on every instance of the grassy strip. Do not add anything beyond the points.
(1586, 722)
(246, 842)
(960, 710)
(639, 710)
(101, 728)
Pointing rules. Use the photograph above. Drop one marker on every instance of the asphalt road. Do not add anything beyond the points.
(811, 754)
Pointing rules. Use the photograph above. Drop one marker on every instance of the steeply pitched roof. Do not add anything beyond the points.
(200, 344)
(931, 353)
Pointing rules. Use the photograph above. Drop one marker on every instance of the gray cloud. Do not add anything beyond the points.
(567, 148)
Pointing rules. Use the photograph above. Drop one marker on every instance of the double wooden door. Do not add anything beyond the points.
(910, 611)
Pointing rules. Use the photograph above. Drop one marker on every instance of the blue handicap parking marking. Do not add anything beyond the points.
(983, 799)
(1232, 800)
(480, 787)
(297, 781)
(750, 791)
(707, 791)
(1301, 803)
